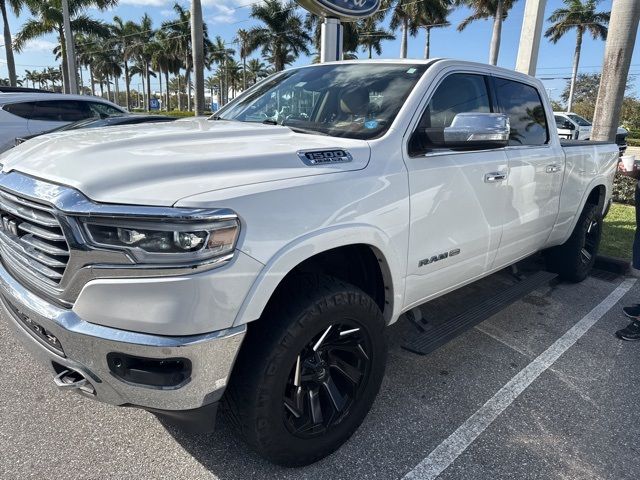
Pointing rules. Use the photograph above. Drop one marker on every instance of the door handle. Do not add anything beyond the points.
(552, 168)
(494, 177)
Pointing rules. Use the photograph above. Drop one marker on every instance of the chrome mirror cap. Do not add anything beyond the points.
(473, 128)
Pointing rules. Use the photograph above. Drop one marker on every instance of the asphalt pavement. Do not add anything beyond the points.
(579, 418)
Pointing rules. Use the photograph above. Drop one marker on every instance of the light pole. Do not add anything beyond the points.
(197, 46)
(623, 28)
(69, 47)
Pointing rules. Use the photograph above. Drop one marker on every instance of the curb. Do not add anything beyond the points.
(612, 264)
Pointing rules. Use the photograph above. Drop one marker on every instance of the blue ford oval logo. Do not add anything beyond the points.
(343, 9)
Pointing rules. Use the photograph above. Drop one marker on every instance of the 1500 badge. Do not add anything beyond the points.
(437, 258)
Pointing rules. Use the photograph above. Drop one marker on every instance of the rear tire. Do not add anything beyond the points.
(309, 370)
(574, 259)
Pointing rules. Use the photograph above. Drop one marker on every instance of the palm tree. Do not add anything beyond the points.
(243, 39)
(371, 36)
(406, 16)
(142, 50)
(257, 70)
(282, 36)
(483, 9)
(581, 16)
(212, 84)
(435, 17)
(16, 6)
(219, 54)
(125, 36)
(48, 19)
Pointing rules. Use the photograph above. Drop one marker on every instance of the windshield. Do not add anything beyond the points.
(583, 122)
(348, 100)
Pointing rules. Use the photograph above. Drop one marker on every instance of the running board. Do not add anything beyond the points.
(433, 338)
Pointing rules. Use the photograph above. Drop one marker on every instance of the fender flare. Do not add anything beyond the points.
(305, 247)
(599, 181)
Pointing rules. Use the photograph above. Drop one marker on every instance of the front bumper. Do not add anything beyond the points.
(85, 347)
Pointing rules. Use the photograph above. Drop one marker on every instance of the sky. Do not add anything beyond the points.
(225, 17)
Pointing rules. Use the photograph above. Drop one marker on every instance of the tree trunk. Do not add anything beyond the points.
(93, 81)
(179, 92)
(370, 52)
(146, 68)
(187, 80)
(197, 44)
(63, 53)
(108, 88)
(127, 81)
(160, 78)
(574, 74)
(81, 87)
(404, 39)
(8, 48)
(497, 32)
(244, 73)
(427, 43)
(70, 50)
(101, 89)
(116, 93)
(166, 77)
(621, 38)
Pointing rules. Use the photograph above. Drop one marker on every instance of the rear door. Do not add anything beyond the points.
(457, 207)
(50, 114)
(536, 168)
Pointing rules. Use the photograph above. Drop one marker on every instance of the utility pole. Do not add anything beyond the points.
(69, 47)
(530, 36)
(623, 28)
(197, 45)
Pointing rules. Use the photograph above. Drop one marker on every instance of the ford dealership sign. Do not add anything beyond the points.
(342, 9)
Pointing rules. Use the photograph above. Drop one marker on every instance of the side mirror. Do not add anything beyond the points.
(478, 130)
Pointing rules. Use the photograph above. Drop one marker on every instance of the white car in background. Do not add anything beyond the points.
(24, 114)
(572, 126)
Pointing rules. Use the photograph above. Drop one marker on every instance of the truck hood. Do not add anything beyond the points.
(158, 164)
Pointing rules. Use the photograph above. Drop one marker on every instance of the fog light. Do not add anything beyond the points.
(150, 372)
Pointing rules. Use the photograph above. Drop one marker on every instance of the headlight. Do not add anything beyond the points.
(160, 242)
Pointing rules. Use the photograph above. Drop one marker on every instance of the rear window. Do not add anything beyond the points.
(523, 105)
(22, 110)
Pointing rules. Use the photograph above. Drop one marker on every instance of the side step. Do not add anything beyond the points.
(433, 338)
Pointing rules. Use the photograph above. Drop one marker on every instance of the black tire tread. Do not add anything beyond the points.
(293, 307)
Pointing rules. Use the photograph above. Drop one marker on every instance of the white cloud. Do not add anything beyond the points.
(143, 3)
(39, 46)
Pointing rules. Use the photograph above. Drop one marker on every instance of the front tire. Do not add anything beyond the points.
(574, 259)
(309, 371)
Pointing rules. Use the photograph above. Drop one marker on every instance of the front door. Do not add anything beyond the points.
(457, 198)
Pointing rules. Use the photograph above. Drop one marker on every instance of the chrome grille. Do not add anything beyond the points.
(31, 240)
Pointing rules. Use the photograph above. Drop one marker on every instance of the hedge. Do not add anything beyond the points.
(624, 189)
(633, 142)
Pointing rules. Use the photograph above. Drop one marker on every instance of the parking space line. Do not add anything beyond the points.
(447, 452)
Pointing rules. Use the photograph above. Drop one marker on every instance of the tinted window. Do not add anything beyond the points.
(526, 113)
(103, 110)
(60, 111)
(583, 122)
(560, 121)
(458, 93)
(24, 110)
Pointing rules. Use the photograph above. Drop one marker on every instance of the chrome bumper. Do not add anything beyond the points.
(85, 347)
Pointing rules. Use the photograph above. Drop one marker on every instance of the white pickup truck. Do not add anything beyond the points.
(261, 253)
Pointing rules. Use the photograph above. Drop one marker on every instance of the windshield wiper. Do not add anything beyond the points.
(270, 121)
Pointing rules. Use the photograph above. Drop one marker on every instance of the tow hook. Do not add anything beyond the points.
(74, 380)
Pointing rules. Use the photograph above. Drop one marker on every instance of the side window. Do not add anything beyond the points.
(23, 110)
(103, 110)
(60, 111)
(559, 121)
(458, 93)
(523, 105)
